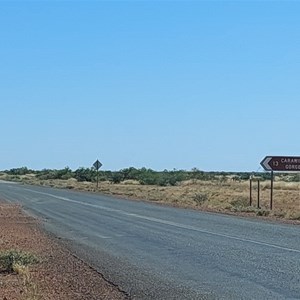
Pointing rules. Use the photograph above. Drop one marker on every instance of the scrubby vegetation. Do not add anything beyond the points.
(144, 176)
(12, 260)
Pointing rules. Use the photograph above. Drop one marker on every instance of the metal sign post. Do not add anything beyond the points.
(282, 164)
(97, 165)
(272, 187)
(258, 194)
(250, 202)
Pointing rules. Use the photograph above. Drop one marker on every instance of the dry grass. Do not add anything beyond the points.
(31, 289)
(14, 261)
(223, 196)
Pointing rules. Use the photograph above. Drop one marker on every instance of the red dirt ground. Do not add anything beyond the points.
(58, 276)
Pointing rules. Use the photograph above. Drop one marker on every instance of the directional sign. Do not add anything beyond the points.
(281, 163)
(97, 164)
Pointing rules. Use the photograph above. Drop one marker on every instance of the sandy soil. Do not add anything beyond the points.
(58, 275)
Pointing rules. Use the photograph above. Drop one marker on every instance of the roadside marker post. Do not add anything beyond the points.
(97, 165)
(258, 194)
(282, 164)
(272, 187)
(250, 202)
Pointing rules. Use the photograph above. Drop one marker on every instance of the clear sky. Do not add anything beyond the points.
(158, 84)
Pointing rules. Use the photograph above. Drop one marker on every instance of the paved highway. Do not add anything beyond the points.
(156, 252)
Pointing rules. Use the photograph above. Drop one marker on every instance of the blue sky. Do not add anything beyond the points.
(160, 84)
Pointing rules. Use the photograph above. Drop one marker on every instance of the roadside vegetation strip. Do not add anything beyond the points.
(143, 176)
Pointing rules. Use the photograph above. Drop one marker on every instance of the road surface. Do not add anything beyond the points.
(157, 252)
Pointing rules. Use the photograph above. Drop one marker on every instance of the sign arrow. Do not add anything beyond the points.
(265, 163)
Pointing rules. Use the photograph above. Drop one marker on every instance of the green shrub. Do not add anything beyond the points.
(263, 213)
(200, 198)
(85, 174)
(148, 177)
(240, 202)
(130, 173)
(19, 171)
(11, 258)
(116, 177)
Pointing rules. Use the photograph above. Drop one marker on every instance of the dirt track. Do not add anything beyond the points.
(58, 275)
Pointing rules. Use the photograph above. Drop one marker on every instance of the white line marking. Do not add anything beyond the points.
(102, 236)
(170, 223)
(8, 182)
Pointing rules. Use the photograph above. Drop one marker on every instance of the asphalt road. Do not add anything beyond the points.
(156, 252)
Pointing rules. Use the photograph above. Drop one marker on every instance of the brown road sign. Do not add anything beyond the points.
(281, 163)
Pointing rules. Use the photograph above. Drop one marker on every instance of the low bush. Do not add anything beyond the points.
(116, 177)
(200, 198)
(11, 259)
(262, 212)
(240, 202)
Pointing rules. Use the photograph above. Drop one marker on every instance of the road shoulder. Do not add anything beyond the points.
(58, 275)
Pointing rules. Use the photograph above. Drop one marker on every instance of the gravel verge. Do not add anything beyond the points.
(58, 275)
